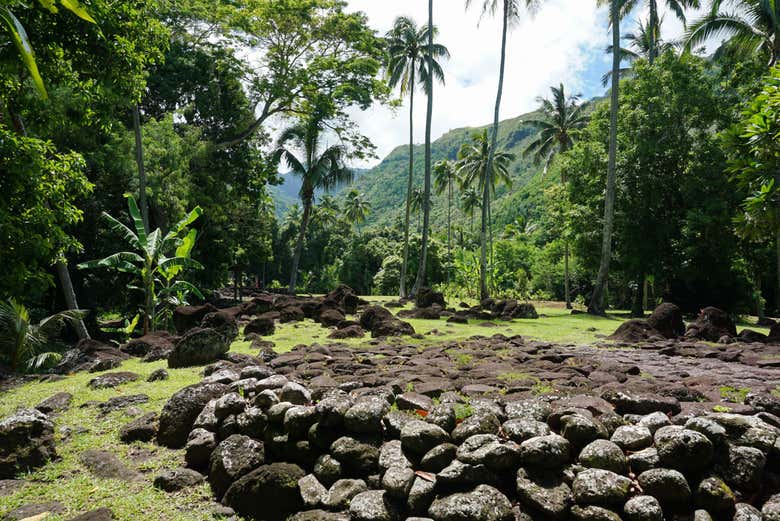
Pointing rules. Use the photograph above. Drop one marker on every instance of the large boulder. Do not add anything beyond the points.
(381, 322)
(160, 342)
(427, 297)
(712, 324)
(198, 347)
(26, 442)
(345, 298)
(189, 317)
(180, 412)
(667, 319)
(234, 457)
(270, 492)
(223, 323)
(90, 355)
(636, 330)
(263, 325)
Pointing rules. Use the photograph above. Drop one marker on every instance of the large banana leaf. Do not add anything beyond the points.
(183, 250)
(184, 262)
(153, 246)
(138, 221)
(182, 225)
(22, 42)
(122, 261)
(75, 7)
(182, 286)
(126, 232)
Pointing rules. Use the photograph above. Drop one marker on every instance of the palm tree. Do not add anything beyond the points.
(327, 212)
(478, 165)
(416, 204)
(753, 25)
(596, 305)
(25, 346)
(561, 119)
(470, 200)
(356, 207)
(407, 49)
(653, 27)
(445, 177)
(510, 14)
(640, 45)
(292, 219)
(420, 281)
(318, 170)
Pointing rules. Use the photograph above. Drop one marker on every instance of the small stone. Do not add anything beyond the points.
(342, 492)
(643, 508)
(545, 492)
(521, 429)
(312, 491)
(714, 495)
(633, 437)
(666, 485)
(604, 454)
(484, 503)
(158, 375)
(683, 449)
(398, 481)
(600, 487)
(419, 437)
(550, 451)
(295, 394)
(177, 479)
(373, 505)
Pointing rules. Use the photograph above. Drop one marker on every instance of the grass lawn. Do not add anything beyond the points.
(68, 482)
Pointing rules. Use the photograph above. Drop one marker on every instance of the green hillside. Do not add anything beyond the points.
(385, 184)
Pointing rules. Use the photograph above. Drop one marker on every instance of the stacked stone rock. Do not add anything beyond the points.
(273, 450)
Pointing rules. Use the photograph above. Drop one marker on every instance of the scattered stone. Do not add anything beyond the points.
(58, 402)
(177, 479)
(140, 429)
(104, 464)
(26, 442)
(158, 375)
(198, 347)
(109, 380)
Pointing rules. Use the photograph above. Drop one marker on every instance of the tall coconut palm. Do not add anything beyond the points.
(407, 49)
(317, 169)
(416, 205)
(561, 119)
(470, 200)
(653, 27)
(420, 281)
(356, 207)
(753, 25)
(510, 14)
(596, 305)
(640, 44)
(445, 177)
(480, 167)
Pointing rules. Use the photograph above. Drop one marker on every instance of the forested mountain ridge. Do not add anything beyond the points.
(385, 184)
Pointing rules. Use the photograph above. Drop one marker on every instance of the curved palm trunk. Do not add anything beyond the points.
(405, 265)
(597, 299)
(483, 289)
(307, 204)
(427, 190)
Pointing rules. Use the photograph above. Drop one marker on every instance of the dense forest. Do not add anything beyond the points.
(169, 105)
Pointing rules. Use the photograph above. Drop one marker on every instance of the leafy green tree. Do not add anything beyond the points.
(356, 207)
(407, 65)
(317, 169)
(26, 346)
(470, 201)
(562, 118)
(753, 25)
(510, 14)
(157, 259)
(755, 166)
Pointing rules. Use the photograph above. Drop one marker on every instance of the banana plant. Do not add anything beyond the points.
(18, 35)
(157, 260)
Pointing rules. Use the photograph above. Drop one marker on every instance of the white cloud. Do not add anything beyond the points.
(554, 46)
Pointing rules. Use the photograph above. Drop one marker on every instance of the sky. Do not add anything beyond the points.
(564, 42)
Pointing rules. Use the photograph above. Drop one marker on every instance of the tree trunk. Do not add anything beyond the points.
(760, 312)
(597, 299)
(70, 297)
(449, 228)
(566, 283)
(405, 264)
(420, 282)
(483, 290)
(139, 159)
(653, 26)
(307, 203)
(637, 309)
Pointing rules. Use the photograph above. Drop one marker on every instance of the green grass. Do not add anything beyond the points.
(68, 482)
